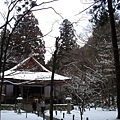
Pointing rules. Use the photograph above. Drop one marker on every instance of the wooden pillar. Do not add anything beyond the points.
(21, 90)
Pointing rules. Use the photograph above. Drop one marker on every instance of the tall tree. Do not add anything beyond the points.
(52, 78)
(116, 53)
(66, 45)
(111, 7)
(104, 65)
(27, 39)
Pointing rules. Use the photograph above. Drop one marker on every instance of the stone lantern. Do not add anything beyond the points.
(68, 100)
(19, 99)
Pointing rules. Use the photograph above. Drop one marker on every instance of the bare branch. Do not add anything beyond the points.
(49, 8)
(86, 9)
(47, 2)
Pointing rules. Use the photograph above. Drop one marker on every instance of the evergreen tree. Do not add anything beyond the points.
(105, 63)
(26, 40)
(112, 7)
(99, 12)
(67, 35)
(66, 45)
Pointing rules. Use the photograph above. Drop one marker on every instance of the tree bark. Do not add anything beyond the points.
(116, 53)
(52, 79)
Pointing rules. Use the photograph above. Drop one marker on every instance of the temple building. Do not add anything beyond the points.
(30, 79)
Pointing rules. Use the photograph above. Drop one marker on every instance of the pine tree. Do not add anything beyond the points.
(27, 40)
(99, 12)
(67, 35)
(67, 45)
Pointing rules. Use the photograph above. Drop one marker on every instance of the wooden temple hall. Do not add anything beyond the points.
(29, 79)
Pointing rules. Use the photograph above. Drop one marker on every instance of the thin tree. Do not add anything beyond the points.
(116, 53)
(52, 78)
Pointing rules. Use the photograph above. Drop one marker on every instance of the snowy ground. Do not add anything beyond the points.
(93, 114)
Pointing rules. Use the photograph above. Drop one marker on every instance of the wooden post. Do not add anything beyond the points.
(26, 114)
(63, 115)
(56, 112)
(73, 117)
(38, 113)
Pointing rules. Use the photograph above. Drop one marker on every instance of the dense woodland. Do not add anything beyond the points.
(90, 67)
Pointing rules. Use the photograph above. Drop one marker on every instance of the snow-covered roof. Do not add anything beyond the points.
(30, 71)
(19, 98)
(68, 98)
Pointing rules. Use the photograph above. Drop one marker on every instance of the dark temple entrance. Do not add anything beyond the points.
(33, 91)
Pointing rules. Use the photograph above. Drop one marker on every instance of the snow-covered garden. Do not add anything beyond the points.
(92, 114)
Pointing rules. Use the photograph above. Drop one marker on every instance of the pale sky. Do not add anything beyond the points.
(49, 20)
(68, 9)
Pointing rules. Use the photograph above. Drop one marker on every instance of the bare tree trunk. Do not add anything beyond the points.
(3, 60)
(82, 107)
(116, 54)
(52, 79)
